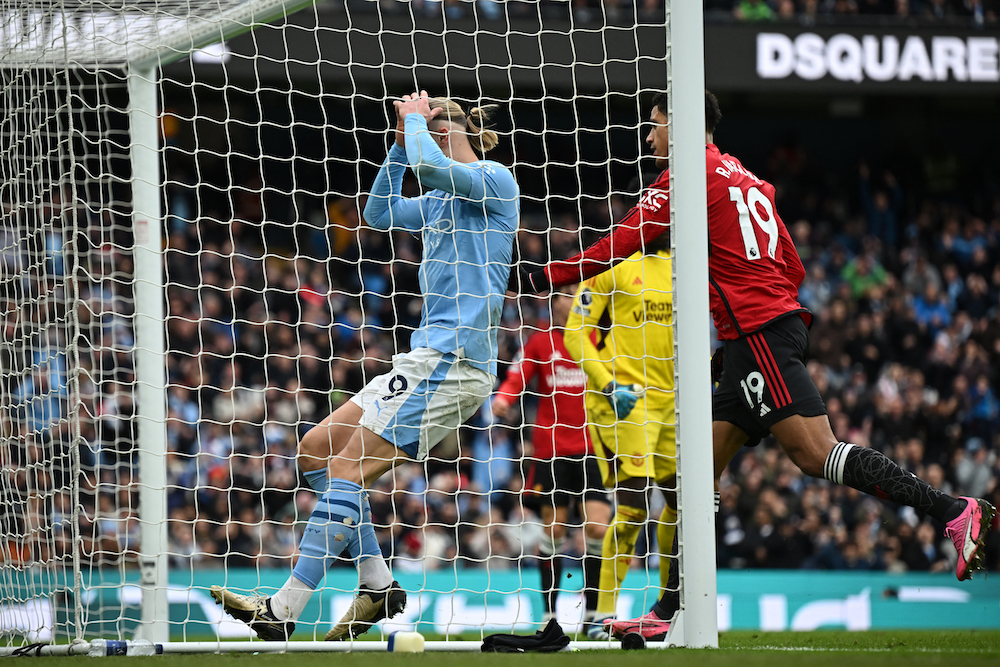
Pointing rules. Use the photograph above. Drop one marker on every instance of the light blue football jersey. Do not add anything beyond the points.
(468, 221)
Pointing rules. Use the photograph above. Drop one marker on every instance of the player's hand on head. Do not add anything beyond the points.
(400, 106)
(416, 103)
(400, 121)
(622, 397)
(421, 103)
(405, 105)
(423, 106)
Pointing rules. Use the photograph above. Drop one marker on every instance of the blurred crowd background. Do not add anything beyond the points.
(802, 12)
(903, 277)
(276, 314)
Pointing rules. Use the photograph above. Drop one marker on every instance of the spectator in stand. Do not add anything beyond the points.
(882, 206)
(815, 291)
(829, 336)
(922, 552)
(983, 417)
(976, 300)
(753, 11)
(866, 346)
(863, 274)
(952, 286)
(931, 310)
(973, 466)
(919, 273)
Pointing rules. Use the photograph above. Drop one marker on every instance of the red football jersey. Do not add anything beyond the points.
(754, 271)
(561, 422)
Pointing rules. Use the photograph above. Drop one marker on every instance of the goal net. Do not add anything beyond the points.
(187, 288)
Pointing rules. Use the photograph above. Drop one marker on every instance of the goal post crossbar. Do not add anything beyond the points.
(146, 34)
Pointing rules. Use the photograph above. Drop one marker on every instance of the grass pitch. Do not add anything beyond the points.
(736, 649)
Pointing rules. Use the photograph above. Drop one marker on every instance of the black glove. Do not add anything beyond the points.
(538, 282)
(525, 282)
(717, 363)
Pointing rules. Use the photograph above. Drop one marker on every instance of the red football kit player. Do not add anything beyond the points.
(560, 427)
(564, 471)
(764, 388)
(752, 280)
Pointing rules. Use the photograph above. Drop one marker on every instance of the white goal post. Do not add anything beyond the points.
(185, 287)
(689, 208)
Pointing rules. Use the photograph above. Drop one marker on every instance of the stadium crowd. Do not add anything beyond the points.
(803, 12)
(271, 326)
(811, 12)
(906, 339)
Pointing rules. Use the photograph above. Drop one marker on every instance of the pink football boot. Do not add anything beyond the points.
(968, 532)
(650, 626)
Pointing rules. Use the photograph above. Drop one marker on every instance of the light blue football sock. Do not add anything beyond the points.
(364, 544)
(331, 528)
(373, 571)
(317, 480)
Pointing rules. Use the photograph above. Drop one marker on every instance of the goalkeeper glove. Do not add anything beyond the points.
(622, 397)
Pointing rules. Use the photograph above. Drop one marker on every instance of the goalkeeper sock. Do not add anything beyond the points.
(873, 472)
(317, 480)
(619, 545)
(592, 572)
(331, 528)
(291, 599)
(550, 568)
(665, 529)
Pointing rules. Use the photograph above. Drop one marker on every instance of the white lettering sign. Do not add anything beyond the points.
(982, 54)
(848, 58)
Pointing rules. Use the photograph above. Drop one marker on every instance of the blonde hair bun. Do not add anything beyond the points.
(482, 139)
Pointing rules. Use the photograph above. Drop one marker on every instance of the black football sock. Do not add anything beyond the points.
(874, 473)
(592, 573)
(550, 567)
(670, 601)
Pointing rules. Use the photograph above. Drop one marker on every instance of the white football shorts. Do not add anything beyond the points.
(425, 396)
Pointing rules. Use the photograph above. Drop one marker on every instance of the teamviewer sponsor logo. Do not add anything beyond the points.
(887, 58)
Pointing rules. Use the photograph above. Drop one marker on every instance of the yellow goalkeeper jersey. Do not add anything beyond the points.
(621, 328)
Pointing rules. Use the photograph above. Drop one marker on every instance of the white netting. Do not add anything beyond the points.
(280, 304)
(67, 339)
